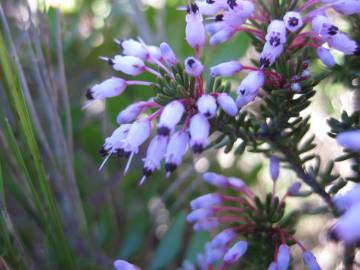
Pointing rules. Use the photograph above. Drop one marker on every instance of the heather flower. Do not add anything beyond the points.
(236, 252)
(274, 168)
(175, 151)
(206, 105)
(347, 227)
(195, 29)
(129, 65)
(109, 88)
(349, 140)
(227, 104)
(193, 67)
(170, 117)
(226, 69)
(168, 54)
(124, 265)
(345, 201)
(310, 261)
(283, 257)
(293, 21)
(199, 133)
(326, 57)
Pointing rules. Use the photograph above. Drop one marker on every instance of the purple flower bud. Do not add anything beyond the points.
(236, 252)
(193, 67)
(206, 201)
(205, 225)
(272, 266)
(227, 104)
(347, 227)
(168, 54)
(343, 202)
(130, 113)
(310, 261)
(155, 153)
(199, 132)
(199, 215)
(138, 134)
(236, 183)
(226, 69)
(223, 238)
(283, 257)
(206, 105)
(274, 168)
(251, 83)
(215, 179)
(276, 33)
(326, 57)
(124, 265)
(293, 21)
(134, 48)
(294, 189)
(243, 100)
(213, 254)
(129, 65)
(222, 36)
(170, 117)
(296, 87)
(349, 140)
(195, 30)
(175, 151)
(109, 88)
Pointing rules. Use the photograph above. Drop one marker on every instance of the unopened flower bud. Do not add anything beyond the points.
(326, 57)
(170, 117)
(124, 265)
(236, 183)
(272, 266)
(294, 189)
(193, 67)
(296, 87)
(215, 179)
(222, 36)
(109, 88)
(349, 140)
(227, 104)
(274, 168)
(133, 48)
(130, 113)
(206, 201)
(206, 105)
(155, 153)
(293, 21)
(199, 132)
(283, 257)
(195, 30)
(347, 227)
(129, 65)
(236, 252)
(168, 54)
(175, 151)
(199, 215)
(251, 83)
(343, 202)
(310, 261)
(223, 238)
(226, 69)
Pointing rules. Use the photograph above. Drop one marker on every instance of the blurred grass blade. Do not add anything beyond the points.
(17, 103)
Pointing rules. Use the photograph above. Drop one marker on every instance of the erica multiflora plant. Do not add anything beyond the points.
(194, 107)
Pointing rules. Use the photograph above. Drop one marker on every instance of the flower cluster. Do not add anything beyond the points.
(244, 218)
(185, 109)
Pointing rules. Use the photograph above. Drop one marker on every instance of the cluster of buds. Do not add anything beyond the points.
(243, 219)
